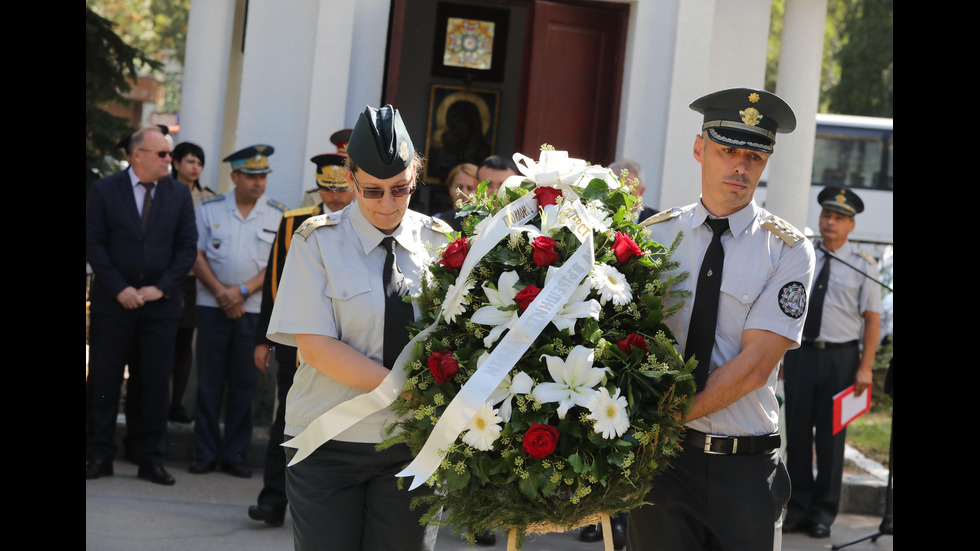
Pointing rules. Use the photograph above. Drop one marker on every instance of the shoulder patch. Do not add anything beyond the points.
(867, 256)
(783, 230)
(307, 227)
(214, 199)
(276, 205)
(438, 224)
(661, 216)
(311, 210)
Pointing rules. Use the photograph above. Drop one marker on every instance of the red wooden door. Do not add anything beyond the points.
(574, 79)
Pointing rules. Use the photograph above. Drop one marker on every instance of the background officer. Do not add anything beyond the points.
(839, 343)
(312, 197)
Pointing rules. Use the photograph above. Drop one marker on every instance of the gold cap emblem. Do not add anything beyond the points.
(840, 197)
(754, 97)
(750, 116)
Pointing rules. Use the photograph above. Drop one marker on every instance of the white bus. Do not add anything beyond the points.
(855, 152)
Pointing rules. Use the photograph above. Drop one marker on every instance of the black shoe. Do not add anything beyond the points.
(819, 530)
(202, 467)
(590, 533)
(97, 468)
(486, 538)
(178, 415)
(155, 473)
(793, 526)
(241, 470)
(619, 533)
(266, 513)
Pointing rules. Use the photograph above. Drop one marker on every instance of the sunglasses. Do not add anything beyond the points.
(376, 193)
(161, 154)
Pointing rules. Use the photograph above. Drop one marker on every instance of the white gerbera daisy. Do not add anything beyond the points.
(609, 413)
(483, 429)
(611, 284)
(456, 299)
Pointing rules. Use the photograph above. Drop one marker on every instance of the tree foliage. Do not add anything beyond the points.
(110, 69)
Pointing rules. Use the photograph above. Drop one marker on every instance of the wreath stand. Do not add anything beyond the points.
(607, 539)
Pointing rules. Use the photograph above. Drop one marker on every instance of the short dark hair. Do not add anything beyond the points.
(184, 149)
(499, 162)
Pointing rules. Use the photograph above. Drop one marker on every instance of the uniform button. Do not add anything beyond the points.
(745, 297)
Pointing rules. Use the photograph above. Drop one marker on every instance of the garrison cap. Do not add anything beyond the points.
(330, 171)
(745, 118)
(254, 159)
(379, 144)
(340, 139)
(840, 199)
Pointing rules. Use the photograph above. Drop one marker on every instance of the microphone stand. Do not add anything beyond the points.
(835, 257)
(885, 528)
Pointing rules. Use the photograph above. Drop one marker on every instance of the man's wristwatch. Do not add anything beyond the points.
(243, 290)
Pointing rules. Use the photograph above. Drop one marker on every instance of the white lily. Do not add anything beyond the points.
(574, 380)
(501, 297)
(521, 383)
(576, 307)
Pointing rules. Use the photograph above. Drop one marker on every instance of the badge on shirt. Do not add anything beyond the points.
(792, 299)
(216, 243)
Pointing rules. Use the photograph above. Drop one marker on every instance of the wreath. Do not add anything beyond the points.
(544, 387)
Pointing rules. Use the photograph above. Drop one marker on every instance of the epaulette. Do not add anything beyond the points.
(438, 224)
(659, 217)
(214, 199)
(311, 210)
(783, 230)
(307, 227)
(867, 256)
(276, 205)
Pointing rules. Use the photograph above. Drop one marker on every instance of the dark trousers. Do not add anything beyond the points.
(811, 379)
(712, 502)
(225, 363)
(344, 497)
(274, 475)
(147, 345)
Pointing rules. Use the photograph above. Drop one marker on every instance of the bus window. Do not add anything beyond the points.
(847, 160)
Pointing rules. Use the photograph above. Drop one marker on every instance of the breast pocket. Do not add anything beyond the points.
(218, 245)
(264, 243)
(739, 293)
(355, 307)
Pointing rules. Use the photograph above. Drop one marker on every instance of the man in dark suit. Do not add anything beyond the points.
(141, 242)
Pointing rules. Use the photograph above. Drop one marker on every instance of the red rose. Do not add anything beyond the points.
(540, 440)
(544, 251)
(455, 253)
(443, 366)
(525, 296)
(632, 340)
(547, 195)
(625, 248)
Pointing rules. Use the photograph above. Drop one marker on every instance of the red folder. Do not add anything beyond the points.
(848, 407)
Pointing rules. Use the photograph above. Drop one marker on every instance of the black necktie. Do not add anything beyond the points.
(704, 315)
(811, 327)
(398, 314)
(147, 203)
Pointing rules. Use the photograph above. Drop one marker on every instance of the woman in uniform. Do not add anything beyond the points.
(332, 305)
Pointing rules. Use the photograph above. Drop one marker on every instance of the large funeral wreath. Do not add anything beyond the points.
(545, 388)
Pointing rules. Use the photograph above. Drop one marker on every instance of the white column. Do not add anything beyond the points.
(800, 55)
(210, 28)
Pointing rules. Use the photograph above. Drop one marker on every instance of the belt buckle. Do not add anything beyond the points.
(820, 344)
(707, 444)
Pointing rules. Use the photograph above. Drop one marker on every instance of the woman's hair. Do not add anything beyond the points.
(184, 149)
(466, 168)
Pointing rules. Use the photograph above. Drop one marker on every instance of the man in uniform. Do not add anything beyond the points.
(339, 139)
(335, 194)
(235, 234)
(749, 273)
(836, 353)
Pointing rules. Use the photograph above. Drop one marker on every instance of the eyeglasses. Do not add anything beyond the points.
(161, 154)
(376, 193)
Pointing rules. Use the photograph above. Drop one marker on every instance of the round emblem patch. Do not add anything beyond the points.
(792, 299)
(403, 151)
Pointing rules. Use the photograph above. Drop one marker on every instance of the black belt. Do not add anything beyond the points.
(823, 344)
(731, 445)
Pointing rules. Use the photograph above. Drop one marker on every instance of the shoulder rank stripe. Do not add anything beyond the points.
(783, 230)
(311, 210)
(276, 205)
(313, 223)
(214, 199)
(659, 217)
(867, 256)
(439, 225)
